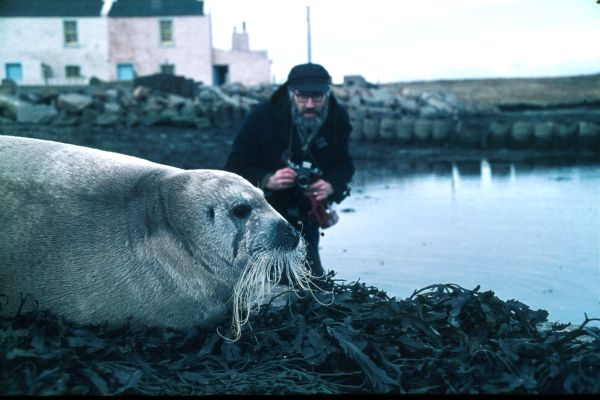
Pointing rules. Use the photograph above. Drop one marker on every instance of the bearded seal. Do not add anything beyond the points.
(99, 236)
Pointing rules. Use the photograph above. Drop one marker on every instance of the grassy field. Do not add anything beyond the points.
(510, 91)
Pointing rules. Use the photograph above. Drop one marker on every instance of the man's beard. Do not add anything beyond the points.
(312, 124)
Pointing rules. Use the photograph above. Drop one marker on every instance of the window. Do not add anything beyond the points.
(167, 69)
(72, 71)
(166, 31)
(13, 72)
(125, 72)
(70, 32)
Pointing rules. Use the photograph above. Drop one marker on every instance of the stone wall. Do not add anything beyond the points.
(410, 118)
(560, 130)
(122, 106)
(400, 117)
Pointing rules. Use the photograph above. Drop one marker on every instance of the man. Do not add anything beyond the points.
(302, 122)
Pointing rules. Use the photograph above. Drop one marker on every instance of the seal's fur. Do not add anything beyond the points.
(99, 236)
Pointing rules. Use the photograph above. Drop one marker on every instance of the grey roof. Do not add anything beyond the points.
(50, 8)
(155, 8)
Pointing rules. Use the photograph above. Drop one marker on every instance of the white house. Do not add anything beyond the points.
(54, 42)
(60, 42)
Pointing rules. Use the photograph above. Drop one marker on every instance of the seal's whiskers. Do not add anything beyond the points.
(262, 273)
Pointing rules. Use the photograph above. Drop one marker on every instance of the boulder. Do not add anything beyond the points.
(410, 93)
(154, 104)
(127, 99)
(355, 100)
(107, 119)
(441, 131)
(341, 93)
(543, 134)
(168, 83)
(387, 128)
(497, 134)
(9, 106)
(176, 101)
(65, 119)
(112, 107)
(5, 121)
(112, 94)
(404, 130)
(422, 131)
(566, 135)
(406, 104)
(589, 135)
(356, 120)
(132, 119)
(371, 127)
(439, 105)
(429, 112)
(521, 134)
(469, 132)
(35, 113)
(141, 92)
(8, 87)
(149, 119)
(73, 102)
(355, 81)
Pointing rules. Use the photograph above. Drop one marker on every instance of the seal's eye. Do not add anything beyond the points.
(242, 211)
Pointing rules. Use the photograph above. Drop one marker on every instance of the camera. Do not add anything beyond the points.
(306, 174)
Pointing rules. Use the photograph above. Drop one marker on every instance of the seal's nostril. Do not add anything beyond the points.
(287, 236)
(242, 211)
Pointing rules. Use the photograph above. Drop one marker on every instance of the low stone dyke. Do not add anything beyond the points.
(438, 119)
(558, 130)
(401, 117)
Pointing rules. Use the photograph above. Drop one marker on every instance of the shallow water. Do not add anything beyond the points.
(526, 232)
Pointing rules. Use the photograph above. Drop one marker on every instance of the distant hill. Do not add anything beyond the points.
(543, 92)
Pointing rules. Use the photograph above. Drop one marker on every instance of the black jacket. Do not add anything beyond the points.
(259, 147)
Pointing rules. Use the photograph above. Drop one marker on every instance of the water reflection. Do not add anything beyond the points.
(525, 231)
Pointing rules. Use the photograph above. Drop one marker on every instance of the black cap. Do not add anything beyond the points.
(309, 78)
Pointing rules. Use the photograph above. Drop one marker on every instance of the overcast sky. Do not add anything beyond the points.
(401, 40)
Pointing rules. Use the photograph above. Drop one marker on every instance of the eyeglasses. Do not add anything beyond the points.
(303, 97)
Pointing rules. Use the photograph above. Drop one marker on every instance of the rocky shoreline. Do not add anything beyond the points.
(402, 118)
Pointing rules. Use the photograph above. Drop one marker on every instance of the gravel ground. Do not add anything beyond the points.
(180, 147)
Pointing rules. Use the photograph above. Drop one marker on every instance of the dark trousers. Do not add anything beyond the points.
(311, 235)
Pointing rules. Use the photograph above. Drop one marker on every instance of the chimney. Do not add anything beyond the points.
(240, 41)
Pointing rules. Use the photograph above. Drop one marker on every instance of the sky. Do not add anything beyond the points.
(407, 40)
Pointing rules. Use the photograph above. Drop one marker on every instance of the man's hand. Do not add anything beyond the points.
(319, 190)
(282, 179)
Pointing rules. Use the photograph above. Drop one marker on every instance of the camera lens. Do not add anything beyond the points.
(303, 181)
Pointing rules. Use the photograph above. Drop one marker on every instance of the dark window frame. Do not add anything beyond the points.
(70, 32)
(73, 71)
(165, 32)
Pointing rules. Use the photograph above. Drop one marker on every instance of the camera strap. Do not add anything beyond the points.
(304, 143)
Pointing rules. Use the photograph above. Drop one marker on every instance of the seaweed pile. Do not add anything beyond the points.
(442, 339)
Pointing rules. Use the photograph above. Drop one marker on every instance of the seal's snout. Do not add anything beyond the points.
(286, 236)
